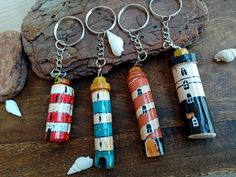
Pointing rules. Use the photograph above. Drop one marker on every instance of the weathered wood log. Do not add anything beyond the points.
(38, 39)
(13, 68)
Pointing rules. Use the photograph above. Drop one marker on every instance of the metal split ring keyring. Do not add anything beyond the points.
(96, 8)
(165, 16)
(133, 5)
(60, 41)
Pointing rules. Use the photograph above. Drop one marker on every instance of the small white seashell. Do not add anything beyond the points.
(116, 43)
(12, 107)
(80, 164)
(226, 55)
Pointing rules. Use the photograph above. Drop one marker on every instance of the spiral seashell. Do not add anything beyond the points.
(12, 107)
(116, 43)
(80, 164)
(227, 55)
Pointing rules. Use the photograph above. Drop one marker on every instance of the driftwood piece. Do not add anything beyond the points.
(38, 39)
(13, 68)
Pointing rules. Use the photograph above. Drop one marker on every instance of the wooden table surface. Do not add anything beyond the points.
(23, 152)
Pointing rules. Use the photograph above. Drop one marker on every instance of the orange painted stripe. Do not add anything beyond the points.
(137, 83)
(143, 99)
(145, 118)
(156, 134)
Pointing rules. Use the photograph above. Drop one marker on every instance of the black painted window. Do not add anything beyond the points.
(189, 98)
(185, 85)
(139, 92)
(144, 109)
(149, 128)
(183, 72)
(65, 89)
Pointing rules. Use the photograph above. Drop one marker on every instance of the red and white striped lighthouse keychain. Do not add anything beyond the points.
(100, 89)
(141, 93)
(188, 82)
(62, 94)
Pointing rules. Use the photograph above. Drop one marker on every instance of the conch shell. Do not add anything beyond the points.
(116, 43)
(227, 55)
(80, 164)
(12, 107)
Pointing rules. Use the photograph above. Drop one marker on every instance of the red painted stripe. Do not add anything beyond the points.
(145, 118)
(156, 134)
(58, 136)
(137, 83)
(59, 117)
(142, 99)
(61, 98)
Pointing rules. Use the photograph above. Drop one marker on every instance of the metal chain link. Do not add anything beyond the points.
(167, 41)
(141, 54)
(100, 62)
(57, 71)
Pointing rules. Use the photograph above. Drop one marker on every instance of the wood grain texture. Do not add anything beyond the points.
(79, 60)
(23, 152)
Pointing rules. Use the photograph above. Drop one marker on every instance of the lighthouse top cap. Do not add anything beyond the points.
(100, 83)
(181, 56)
(180, 52)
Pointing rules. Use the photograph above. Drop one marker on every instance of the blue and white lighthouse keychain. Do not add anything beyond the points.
(188, 82)
(100, 88)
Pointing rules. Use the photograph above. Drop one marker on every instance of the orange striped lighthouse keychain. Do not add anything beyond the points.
(100, 89)
(60, 110)
(143, 102)
(188, 82)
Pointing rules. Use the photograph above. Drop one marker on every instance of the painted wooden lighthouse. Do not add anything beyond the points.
(191, 94)
(60, 111)
(102, 118)
(146, 113)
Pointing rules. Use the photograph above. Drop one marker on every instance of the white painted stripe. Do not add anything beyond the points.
(61, 107)
(143, 131)
(196, 90)
(191, 80)
(190, 67)
(100, 95)
(102, 118)
(104, 143)
(133, 80)
(148, 106)
(144, 89)
(62, 89)
(58, 127)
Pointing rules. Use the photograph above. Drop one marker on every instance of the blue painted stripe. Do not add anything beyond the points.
(103, 106)
(108, 155)
(102, 130)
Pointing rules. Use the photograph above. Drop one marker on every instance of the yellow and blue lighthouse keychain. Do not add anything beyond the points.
(100, 88)
(139, 87)
(188, 82)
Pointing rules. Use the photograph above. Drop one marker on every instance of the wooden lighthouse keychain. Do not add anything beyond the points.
(143, 102)
(62, 94)
(102, 116)
(188, 82)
